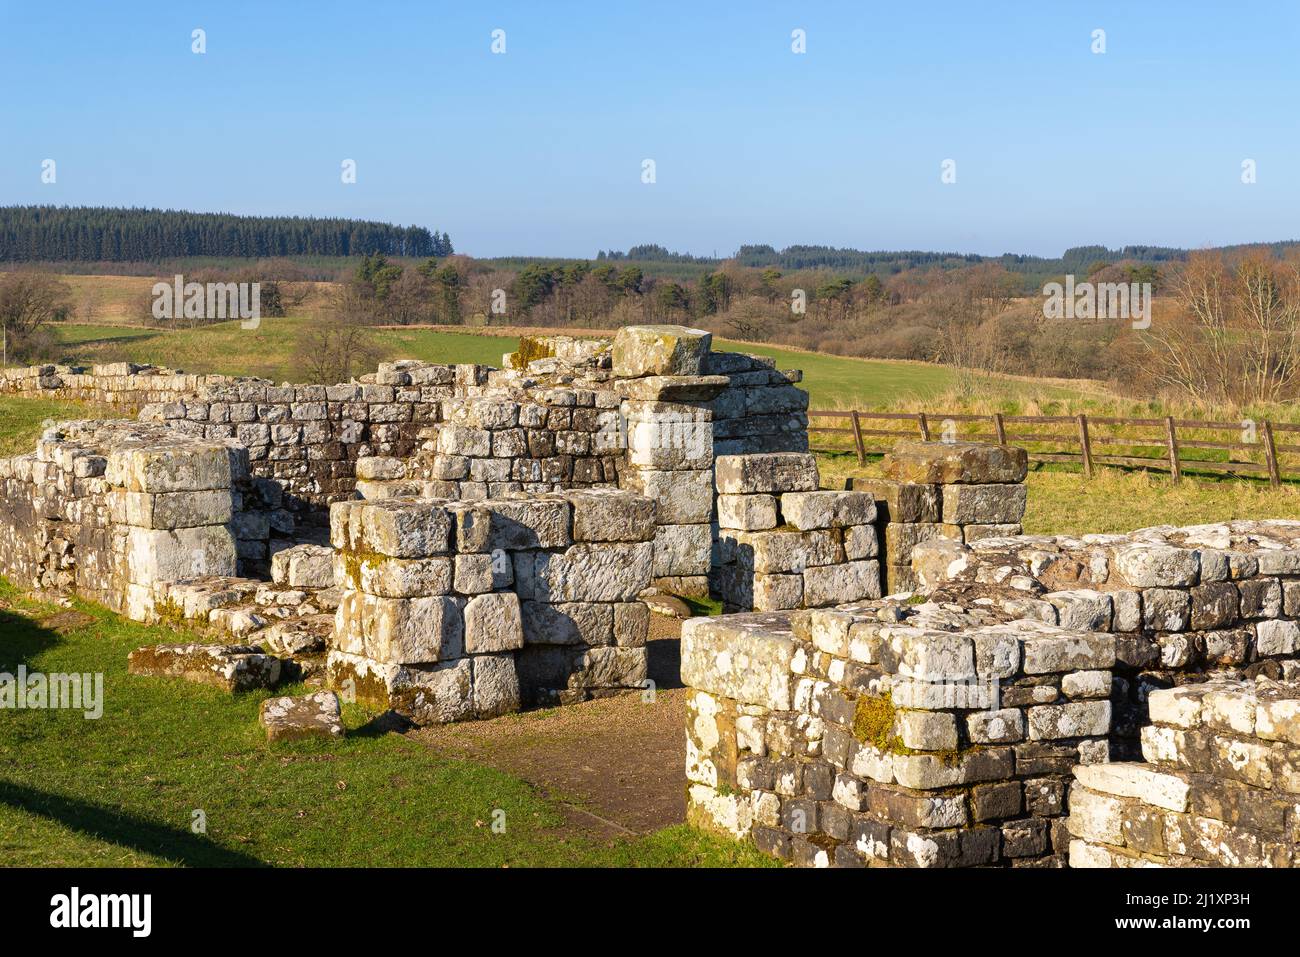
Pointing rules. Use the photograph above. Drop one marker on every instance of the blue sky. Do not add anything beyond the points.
(539, 151)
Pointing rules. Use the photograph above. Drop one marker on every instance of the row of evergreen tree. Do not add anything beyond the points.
(105, 234)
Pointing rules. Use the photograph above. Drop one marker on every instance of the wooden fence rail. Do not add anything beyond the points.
(1153, 443)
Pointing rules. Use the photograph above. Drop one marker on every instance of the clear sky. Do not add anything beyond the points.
(539, 150)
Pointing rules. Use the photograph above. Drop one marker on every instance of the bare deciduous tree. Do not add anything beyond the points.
(1234, 335)
(338, 342)
(28, 300)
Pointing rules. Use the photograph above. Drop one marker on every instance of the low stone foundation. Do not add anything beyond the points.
(892, 734)
(1220, 785)
(1182, 602)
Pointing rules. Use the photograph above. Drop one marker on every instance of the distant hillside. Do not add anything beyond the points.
(884, 263)
(103, 234)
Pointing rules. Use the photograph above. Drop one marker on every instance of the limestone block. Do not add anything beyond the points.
(668, 437)
(631, 624)
(180, 467)
(743, 657)
(155, 555)
(660, 351)
(412, 630)
(1277, 637)
(303, 566)
(1145, 782)
(530, 523)
(926, 730)
(809, 510)
(495, 685)
(611, 667)
(568, 623)
(380, 468)
(836, 584)
(1165, 609)
(1081, 609)
(767, 472)
(983, 504)
(1003, 726)
(229, 667)
(309, 716)
(777, 592)
(681, 550)
(747, 512)
(615, 571)
(493, 623)
(436, 694)
(902, 538)
(861, 541)
(900, 501)
(169, 510)
(1050, 653)
(611, 515)
(400, 528)
(787, 551)
(681, 497)
(952, 463)
(1150, 565)
(1075, 719)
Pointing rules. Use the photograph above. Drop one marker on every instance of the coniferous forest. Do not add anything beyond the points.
(104, 234)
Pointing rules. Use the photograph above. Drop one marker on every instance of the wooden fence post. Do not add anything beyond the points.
(999, 428)
(1274, 478)
(1175, 468)
(1085, 445)
(924, 424)
(857, 438)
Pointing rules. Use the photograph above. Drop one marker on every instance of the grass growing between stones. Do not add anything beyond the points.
(1062, 501)
(124, 790)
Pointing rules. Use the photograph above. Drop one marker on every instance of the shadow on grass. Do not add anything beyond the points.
(23, 639)
(124, 829)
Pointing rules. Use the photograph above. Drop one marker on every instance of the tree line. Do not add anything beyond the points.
(104, 234)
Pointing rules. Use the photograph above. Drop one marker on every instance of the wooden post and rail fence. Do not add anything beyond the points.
(1154, 443)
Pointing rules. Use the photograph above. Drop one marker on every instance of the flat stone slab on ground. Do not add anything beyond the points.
(229, 667)
(310, 716)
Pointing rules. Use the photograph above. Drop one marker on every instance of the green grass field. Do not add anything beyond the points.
(123, 790)
(831, 381)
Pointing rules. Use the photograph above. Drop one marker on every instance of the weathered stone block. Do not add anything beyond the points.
(310, 716)
(747, 512)
(493, 623)
(983, 504)
(900, 501)
(765, 473)
(229, 667)
(617, 571)
(660, 350)
(951, 463)
(743, 657)
(610, 515)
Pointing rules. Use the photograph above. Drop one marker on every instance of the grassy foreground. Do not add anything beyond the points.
(125, 789)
